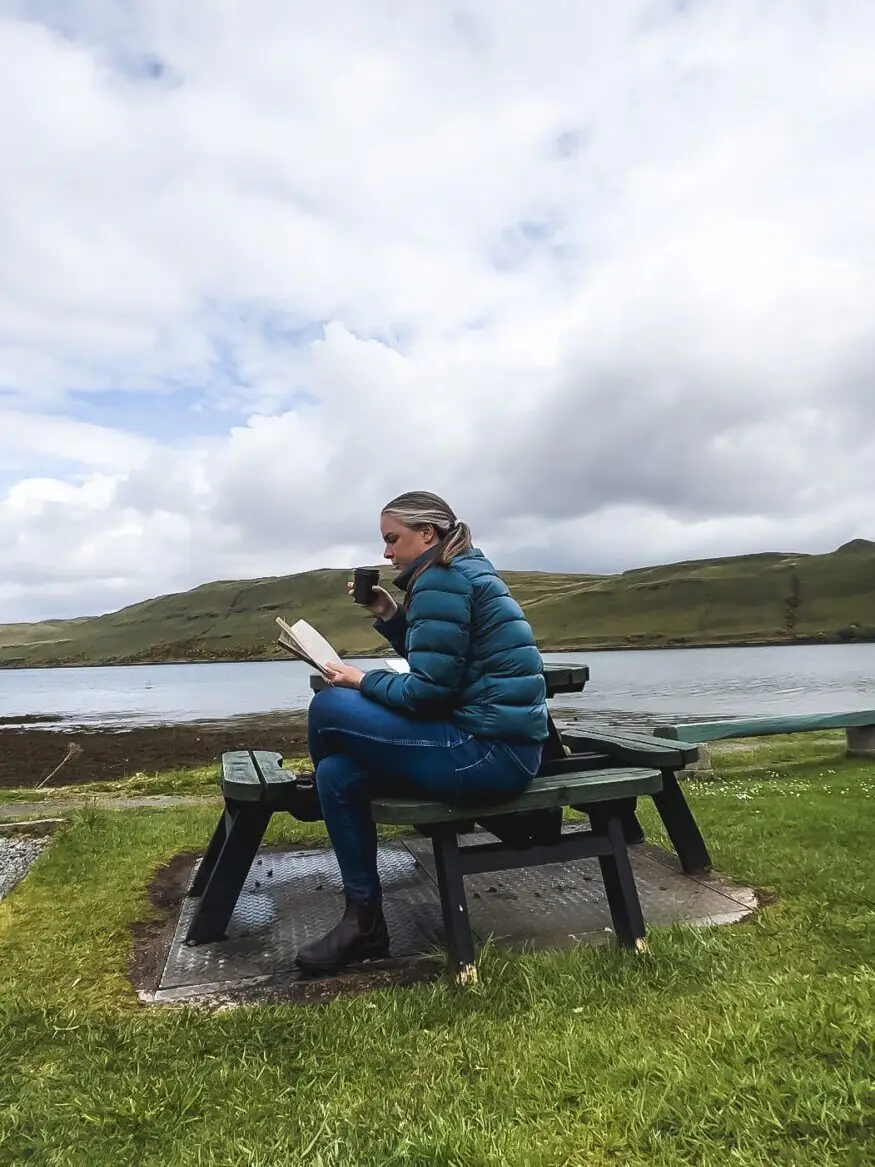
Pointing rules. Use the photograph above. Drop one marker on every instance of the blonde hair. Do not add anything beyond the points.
(419, 508)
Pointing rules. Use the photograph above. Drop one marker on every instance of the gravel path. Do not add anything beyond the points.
(17, 855)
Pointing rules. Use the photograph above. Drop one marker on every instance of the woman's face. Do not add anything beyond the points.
(404, 544)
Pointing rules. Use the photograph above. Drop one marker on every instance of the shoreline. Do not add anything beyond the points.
(823, 638)
(106, 753)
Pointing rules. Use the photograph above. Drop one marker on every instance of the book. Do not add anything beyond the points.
(304, 642)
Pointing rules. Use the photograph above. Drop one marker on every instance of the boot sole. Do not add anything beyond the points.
(367, 952)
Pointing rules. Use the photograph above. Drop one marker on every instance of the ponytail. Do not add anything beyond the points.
(456, 540)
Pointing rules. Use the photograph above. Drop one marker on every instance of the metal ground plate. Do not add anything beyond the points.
(559, 905)
(293, 896)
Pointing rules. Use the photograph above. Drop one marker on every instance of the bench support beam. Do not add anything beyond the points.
(674, 810)
(619, 881)
(214, 850)
(606, 841)
(454, 906)
(681, 827)
(234, 845)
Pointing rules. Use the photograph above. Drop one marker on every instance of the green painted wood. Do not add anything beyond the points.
(687, 750)
(277, 781)
(710, 731)
(565, 678)
(630, 748)
(251, 781)
(239, 777)
(576, 789)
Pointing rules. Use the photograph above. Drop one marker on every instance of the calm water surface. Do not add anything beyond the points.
(671, 684)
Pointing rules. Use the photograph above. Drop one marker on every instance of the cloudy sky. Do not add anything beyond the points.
(602, 274)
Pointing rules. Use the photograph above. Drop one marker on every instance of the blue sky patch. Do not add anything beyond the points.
(179, 415)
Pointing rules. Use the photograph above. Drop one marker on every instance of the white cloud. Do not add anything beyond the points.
(66, 439)
(600, 273)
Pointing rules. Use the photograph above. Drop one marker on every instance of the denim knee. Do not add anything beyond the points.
(326, 709)
(329, 703)
(339, 779)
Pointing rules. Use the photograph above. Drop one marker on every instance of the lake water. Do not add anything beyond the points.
(667, 684)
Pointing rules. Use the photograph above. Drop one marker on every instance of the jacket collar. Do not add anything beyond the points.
(405, 578)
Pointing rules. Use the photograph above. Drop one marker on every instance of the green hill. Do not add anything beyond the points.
(768, 598)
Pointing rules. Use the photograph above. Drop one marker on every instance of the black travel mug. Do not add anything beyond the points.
(364, 580)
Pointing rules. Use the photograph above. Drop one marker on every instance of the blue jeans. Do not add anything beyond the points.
(362, 750)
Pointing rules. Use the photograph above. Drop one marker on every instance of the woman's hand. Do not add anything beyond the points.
(382, 605)
(343, 676)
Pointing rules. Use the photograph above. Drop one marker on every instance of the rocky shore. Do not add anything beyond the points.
(77, 754)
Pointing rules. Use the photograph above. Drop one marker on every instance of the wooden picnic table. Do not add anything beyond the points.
(599, 747)
(600, 772)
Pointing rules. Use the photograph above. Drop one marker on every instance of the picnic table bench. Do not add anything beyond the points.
(599, 773)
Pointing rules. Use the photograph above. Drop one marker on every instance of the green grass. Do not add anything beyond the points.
(777, 753)
(750, 1044)
(730, 757)
(191, 781)
(767, 598)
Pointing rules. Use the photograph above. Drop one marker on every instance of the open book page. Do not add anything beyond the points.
(397, 665)
(304, 642)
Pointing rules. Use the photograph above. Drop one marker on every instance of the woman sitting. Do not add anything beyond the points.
(466, 723)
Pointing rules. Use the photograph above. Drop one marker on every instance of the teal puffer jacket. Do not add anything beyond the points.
(472, 653)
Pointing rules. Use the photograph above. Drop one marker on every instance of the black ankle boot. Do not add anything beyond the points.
(361, 935)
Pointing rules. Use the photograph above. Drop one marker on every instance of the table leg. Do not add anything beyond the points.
(205, 870)
(633, 832)
(619, 880)
(681, 827)
(245, 830)
(454, 906)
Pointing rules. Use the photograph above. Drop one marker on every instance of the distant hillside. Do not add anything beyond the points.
(768, 598)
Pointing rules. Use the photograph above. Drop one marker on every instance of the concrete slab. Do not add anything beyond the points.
(294, 895)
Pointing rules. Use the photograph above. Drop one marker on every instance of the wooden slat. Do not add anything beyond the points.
(565, 678)
(632, 749)
(276, 781)
(557, 678)
(644, 741)
(709, 731)
(574, 764)
(559, 790)
(240, 778)
(253, 775)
